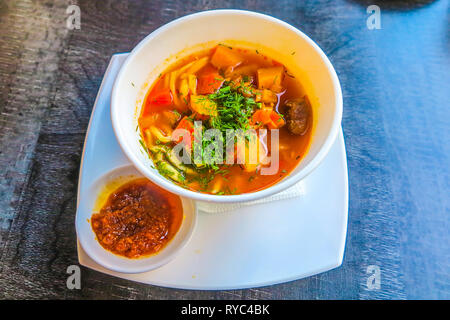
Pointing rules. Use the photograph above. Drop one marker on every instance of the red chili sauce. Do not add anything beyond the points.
(138, 219)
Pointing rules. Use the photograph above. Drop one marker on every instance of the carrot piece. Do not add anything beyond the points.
(262, 116)
(209, 80)
(265, 116)
(276, 117)
(224, 57)
(276, 121)
(268, 117)
(256, 117)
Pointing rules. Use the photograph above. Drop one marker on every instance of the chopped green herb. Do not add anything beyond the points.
(230, 191)
(144, 147)
(233, 110)
(226, 46)
(161, 167)
(288, 74)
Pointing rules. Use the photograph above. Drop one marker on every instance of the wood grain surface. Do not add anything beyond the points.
(396, 88)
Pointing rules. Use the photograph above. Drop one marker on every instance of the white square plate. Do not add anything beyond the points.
(251, 246)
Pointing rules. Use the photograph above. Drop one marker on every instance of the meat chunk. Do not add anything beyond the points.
(298, 115)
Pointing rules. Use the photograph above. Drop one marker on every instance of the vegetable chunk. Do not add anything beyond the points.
(187, 125)
(203, 105)
(209, 80)
(225, 57)
(270, 78)
(162, 98)
(268, 117)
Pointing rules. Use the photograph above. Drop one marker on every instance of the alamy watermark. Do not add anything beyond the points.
(74, 19)
(373, 281)
(74, 280)
(374, 20)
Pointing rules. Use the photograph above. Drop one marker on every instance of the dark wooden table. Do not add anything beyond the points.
(396, 88)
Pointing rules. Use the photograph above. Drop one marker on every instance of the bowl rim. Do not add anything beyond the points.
(279, 186)
(106, 263)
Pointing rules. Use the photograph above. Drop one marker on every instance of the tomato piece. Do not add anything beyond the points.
(162, 98)
(186, 124)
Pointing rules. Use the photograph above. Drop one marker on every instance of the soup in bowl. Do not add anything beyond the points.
(235, 112)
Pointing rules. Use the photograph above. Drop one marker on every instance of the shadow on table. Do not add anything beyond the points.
(394, 4)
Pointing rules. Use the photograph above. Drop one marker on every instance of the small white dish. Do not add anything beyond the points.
(252, 30)
(88, 198)
(248, 247)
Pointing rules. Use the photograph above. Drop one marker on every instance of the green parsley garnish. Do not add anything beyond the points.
(233, 109)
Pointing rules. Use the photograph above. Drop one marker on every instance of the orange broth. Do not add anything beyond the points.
(231, 179)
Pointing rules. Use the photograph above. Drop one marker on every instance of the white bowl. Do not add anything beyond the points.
(202, 30)
(117, 263)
